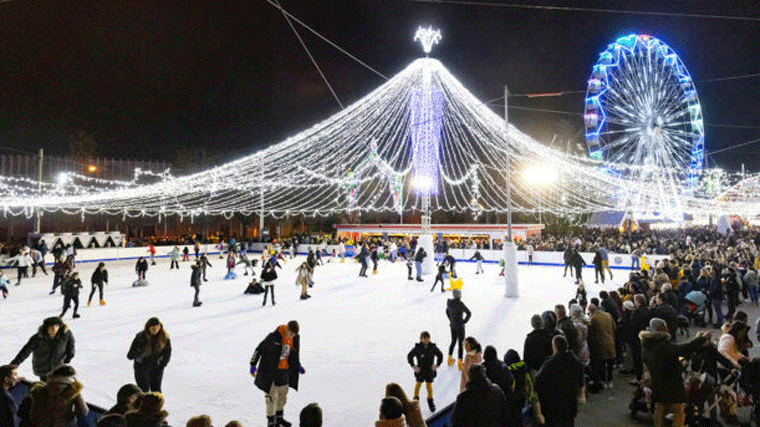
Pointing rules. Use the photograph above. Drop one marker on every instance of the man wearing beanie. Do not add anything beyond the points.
(276, 365)
(455, 309)
(150, 413)
(661, 355)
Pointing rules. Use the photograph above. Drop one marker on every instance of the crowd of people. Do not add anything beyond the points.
(574, 349)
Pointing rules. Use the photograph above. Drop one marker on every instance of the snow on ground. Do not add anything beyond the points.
(355, 333)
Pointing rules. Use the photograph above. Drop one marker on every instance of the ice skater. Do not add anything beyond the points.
(195, 282)
(230, 265)
(22, 261)
(375, 258)
(61, 269)
(409, 264)
(269, 276)
(452, 263)
(196, 248)
(246, 264)
(141, 268)
(205, 263)
(38, 260)
(151, 350)
(276, 365)
(71, 293)
(478, 262)
(174, 255)
(439, 277)
(428, 360)
(418, 259)
(98, 279)
(185, 254)
(576, 260)
(304, 279)
(342, 251)
(152, 251)
(4, 282)
(455, 309)
(362, 257)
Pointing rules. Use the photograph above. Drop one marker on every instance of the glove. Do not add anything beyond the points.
(301, 370)
(253, 371)
(416, 369)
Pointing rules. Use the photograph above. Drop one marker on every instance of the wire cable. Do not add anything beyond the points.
(313, 61)
(592, 10)
(326, 40)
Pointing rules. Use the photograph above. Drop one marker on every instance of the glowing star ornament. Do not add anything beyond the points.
(427, 37)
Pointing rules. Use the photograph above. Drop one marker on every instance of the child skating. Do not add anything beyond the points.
(428, 360)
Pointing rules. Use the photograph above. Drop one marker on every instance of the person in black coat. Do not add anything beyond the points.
(715, 291)
(455, 309)
(362, 257)
(452, 263)
(666, 312)
(639, 322)
(8, 407)
(98, 279)
(567, 256)
(419, 257)
(481, 404)
(276, 365)
(204, 263)
(557, 385)
(598, 266)
(195, 282)
(439, 277)
(51, 347)
(499, 374)
(538, 344)
(428, 359)
(71, 288)
(151, 350)
(576, 260)
(609, 306)
(141, 267)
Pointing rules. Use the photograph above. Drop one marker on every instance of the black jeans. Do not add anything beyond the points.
(363, 271)
(67, 299)
(22, 272)
(598, 270)
(174, 262)
(198, 290)
(267, 289)
(99, 287)
(638, 363)
(149, 379)
(41, 265)
(57, 281)
(457, 337)
(438, 278)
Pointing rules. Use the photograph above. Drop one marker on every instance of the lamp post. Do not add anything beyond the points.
(509, 249)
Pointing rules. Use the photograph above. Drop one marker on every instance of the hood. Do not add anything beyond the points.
(651, 339)
(511, 357)
(65, 388)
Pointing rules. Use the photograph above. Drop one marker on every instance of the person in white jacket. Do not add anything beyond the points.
(22, 261)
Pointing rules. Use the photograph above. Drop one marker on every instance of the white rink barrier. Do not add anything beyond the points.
(618, 261)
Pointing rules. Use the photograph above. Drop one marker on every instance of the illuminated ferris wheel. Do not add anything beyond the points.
(642, 114)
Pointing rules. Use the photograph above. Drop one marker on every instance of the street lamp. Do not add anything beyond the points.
(540, 176)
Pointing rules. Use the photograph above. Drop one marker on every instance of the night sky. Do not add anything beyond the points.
(149, 79)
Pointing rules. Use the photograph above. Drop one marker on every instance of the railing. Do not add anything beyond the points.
(441, 418)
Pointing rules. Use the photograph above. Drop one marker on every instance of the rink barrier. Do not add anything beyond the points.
(542, 258)
(442, 418)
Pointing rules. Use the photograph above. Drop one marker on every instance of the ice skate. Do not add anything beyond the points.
(460, 364)
(76, 316)
(102, 302)
(450, 361)
(431, 405)
(89, 303)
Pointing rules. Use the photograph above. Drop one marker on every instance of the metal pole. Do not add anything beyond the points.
(39, 191)
(508, 168)
(509, 250)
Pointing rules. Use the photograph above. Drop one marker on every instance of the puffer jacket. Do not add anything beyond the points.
(47, 353)
(661, 355)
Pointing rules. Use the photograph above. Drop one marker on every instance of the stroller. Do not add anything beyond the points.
(694, 308)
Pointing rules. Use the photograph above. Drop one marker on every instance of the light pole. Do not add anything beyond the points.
(510, 251)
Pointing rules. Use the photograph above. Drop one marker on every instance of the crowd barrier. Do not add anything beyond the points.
(548, 258)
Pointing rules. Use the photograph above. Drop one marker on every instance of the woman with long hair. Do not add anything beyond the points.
(411, 408)
(473, 356)
(151, 350)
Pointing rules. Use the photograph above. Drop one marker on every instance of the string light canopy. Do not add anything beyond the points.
(420, 138)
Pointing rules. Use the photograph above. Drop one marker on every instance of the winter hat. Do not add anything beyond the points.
(153, 403)
(457, 293)
(628, 305)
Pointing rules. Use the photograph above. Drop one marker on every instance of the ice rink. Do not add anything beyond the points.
(355, 332)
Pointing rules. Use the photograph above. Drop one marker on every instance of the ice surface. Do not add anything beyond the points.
(355, 333)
